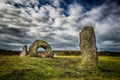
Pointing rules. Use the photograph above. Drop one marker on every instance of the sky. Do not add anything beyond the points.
(59, 22)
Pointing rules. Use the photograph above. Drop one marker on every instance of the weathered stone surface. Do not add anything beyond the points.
(40, 43)
(24, 51)
(88, 46)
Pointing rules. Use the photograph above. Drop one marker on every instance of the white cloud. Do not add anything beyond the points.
(22, 2)
(56, 3)
(75, 11)
(53, 13)
(51, 24)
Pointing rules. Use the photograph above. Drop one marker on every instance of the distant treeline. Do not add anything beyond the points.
(9, 52)
(62, 53)
(107, 53)
(77, 53)
(67, 52)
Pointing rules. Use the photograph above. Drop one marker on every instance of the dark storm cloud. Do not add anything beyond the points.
(13, 31)
(109, 23)
(3, 25)
(14, 36)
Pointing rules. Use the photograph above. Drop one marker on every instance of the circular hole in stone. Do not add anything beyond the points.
(41, 51)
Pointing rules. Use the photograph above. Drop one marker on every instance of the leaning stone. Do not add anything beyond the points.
(24, 51)
(88, 46)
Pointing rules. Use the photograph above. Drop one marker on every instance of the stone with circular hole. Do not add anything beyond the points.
(40, 43)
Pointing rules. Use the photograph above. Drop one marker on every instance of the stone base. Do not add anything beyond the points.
(88, 66)
(44, 56)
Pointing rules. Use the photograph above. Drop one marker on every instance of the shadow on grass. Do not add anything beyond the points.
(15, 74)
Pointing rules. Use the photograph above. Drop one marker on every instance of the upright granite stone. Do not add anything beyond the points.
(40, 43)
(88, 46)
(24, 51)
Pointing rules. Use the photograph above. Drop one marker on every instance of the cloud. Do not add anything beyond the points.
(23, 21)
(107, 27)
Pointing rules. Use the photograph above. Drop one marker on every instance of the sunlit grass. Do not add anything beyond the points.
(58, 68)
(67, 57)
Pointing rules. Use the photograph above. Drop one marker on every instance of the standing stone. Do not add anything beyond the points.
(24, 51)
(88, 46)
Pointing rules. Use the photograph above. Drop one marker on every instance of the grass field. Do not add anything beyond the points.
(14, 67)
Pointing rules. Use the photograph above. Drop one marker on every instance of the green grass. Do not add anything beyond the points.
(58, 68)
